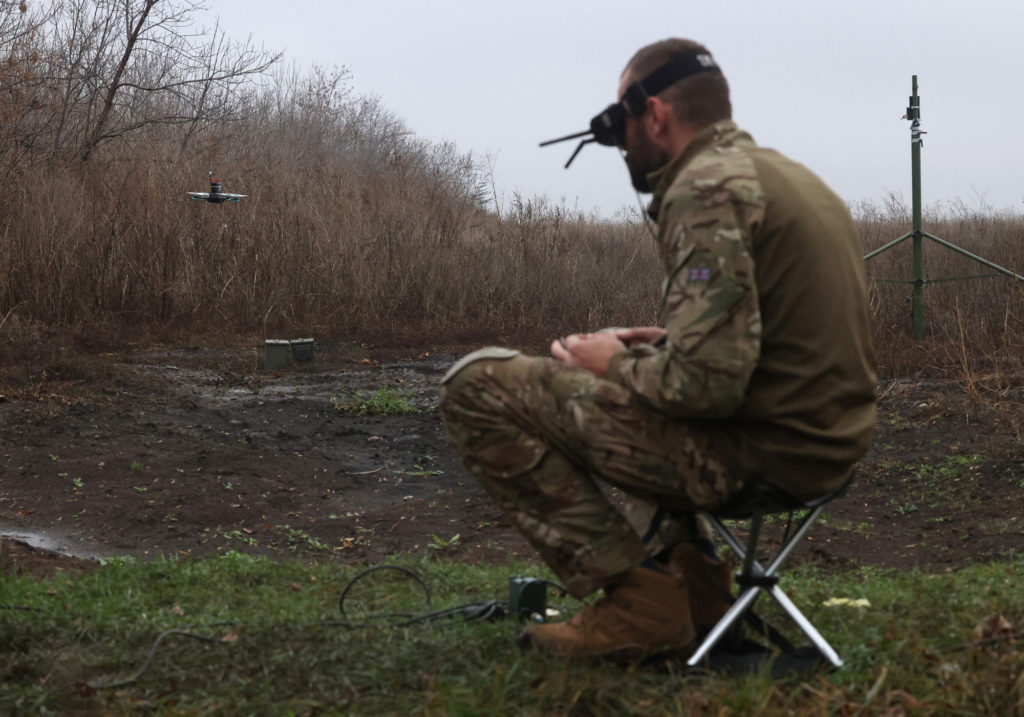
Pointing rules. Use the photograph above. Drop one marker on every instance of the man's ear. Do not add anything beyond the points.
(659, 114)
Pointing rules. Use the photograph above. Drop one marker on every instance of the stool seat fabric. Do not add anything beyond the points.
(769, 497)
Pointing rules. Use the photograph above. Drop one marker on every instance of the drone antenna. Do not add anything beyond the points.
(578, 148)
(575, 135)
(567, 137)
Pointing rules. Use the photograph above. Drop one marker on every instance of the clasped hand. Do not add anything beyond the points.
(593, 352)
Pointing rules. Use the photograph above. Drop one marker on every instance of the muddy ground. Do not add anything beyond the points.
(195, 451)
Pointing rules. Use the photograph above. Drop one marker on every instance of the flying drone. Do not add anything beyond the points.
(215, 195)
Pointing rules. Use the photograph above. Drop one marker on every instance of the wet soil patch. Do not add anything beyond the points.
(197, 451)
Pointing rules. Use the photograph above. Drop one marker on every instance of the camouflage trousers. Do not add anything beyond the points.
(577, 463)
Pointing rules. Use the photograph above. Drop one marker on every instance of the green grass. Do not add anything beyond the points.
(275, 652)
(385, 401)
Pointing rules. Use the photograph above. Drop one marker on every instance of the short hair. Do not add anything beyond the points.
(698, 100)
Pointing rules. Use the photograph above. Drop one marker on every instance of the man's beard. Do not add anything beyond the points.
(642, 159)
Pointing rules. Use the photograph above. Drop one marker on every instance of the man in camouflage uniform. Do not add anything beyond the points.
(762, 369)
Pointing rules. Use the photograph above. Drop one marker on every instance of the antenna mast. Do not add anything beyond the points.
(917, 233)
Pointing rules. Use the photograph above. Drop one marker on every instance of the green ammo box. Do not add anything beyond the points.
(276, 353)
(302, 350)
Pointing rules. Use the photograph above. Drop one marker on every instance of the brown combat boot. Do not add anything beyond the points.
(708, 580)
(645, 611)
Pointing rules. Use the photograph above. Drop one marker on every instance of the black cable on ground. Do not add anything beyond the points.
(152, 653)
(471, 612)
(351, 583)
(24, 608)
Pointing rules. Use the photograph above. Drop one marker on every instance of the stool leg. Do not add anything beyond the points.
(750, 559)
(798, 617)
(739, 607)
(727, 536)
(794, 540)
(746, 598)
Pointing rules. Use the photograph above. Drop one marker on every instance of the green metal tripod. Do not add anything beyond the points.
(917, 234)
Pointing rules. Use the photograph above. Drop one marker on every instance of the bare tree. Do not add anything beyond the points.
(18, 25)
(117, 66)
(15, 25)
(20, 63)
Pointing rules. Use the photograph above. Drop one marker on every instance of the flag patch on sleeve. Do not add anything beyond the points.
(700, 274)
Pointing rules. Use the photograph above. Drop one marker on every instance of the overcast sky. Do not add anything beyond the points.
(824, 81)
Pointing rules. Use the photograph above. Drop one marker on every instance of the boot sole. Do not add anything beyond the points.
(621, 653)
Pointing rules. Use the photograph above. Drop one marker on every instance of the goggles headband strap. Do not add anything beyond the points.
(678, 68)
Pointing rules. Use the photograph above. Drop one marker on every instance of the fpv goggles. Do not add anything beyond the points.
(609, 127)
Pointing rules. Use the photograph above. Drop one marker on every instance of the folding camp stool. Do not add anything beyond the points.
(753, 503)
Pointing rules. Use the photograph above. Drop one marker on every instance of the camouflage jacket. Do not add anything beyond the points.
(765, 308)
